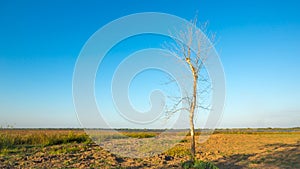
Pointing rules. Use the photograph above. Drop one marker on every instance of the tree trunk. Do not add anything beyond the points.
(193, 106)
(192, 112)
(192, 130)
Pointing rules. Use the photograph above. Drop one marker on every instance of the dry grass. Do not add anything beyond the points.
(11, 138)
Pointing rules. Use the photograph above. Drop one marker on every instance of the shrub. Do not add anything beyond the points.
(204, 165)
(198, 164)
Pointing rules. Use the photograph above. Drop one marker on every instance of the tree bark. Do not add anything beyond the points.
(192, 110)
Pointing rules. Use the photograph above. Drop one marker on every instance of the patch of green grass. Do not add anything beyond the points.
(64, 139)
(178, 151)
(4, 151)
(204, 165)
(198, 164)
(140, 134)
(67, 149)
(99, 137)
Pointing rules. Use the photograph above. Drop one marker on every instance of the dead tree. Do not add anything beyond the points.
(192, 47)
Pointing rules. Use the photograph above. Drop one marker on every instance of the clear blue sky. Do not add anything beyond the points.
(258, 42)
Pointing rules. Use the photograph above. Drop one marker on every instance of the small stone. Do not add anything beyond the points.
(168, 158)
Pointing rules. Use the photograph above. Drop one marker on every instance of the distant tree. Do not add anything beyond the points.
(185, 41)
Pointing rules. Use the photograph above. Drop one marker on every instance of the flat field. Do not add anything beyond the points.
(62, 148)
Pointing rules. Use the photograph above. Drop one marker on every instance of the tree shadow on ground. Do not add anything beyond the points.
(235, 161)
(282, 155)
(277, 155)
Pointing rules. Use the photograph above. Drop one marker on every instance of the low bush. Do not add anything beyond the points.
(198, 164)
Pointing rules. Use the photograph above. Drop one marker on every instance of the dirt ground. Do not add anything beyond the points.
(280, 150)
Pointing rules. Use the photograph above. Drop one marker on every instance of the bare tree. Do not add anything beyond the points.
(192, 48)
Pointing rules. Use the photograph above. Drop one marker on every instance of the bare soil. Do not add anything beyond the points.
(263, 150)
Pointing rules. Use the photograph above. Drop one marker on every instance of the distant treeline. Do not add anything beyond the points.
(257, 130)
(219, 130)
